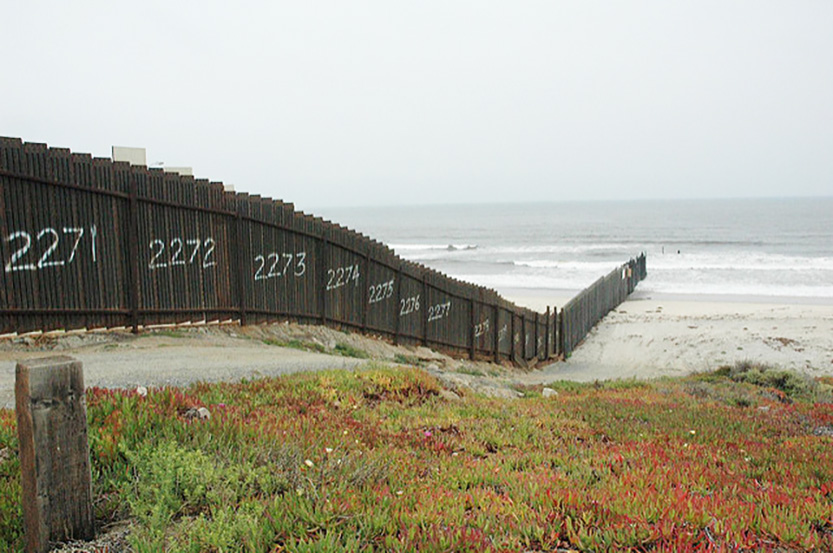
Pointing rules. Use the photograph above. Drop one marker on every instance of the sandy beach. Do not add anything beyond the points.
(647, 337)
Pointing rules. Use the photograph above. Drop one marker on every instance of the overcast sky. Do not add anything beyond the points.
(386, 102)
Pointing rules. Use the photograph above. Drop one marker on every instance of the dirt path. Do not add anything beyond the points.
(178, 357)
(642, 338)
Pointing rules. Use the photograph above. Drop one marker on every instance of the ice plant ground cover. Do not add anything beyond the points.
(378, 460)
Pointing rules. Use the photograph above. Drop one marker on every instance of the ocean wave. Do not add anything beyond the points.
(432, 247)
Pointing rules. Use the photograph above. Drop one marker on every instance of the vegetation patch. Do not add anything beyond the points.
(791, 385)
(296, 344)
(411, 360)
(378, 460)
(347, 350)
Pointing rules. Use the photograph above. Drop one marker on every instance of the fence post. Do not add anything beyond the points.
(396, 309)
(322, 277)
(365, 291)
(238, 262)
(472, 319)
(425, 316)
(133, 255)
(54, 452)
(525, 338)
(496, 334)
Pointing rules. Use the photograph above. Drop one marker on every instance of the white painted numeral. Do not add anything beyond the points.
(341, 276)
(408, 305)
(51, 240)
(439, 311)
(380, 292)
(280, 264)
(177, 254)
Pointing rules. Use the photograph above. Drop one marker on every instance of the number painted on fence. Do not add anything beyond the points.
(280, 265)
(503, 332)
(408, 305)
(341, 276)
(439, 311)
(481, 329)
(381, 292)
(48, 243)
(179, 252)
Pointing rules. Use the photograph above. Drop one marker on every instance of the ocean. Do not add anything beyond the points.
(739, 249)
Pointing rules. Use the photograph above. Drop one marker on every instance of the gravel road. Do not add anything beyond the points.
(176, 357)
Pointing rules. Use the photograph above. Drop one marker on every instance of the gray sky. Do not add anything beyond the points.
(388, 102)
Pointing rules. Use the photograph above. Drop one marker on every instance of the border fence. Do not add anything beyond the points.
(586, 309)
(92, 243)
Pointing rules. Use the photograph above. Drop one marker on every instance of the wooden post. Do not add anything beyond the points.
(54, 452)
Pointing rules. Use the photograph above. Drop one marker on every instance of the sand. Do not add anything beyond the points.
(646, 337)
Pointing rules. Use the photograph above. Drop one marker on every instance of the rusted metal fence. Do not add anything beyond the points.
(586, 309)
(92, 243)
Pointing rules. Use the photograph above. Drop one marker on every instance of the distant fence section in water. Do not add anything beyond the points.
(586, 309)
(92, 243)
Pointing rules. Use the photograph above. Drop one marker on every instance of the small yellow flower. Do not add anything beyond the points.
(309, 463)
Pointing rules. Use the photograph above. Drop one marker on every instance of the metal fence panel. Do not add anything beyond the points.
(93, 243)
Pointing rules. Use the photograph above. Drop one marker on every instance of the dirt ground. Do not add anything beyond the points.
(211, 353)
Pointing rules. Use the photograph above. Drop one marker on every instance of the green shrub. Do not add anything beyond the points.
(794, 385)
(347, 350)
(407, 359)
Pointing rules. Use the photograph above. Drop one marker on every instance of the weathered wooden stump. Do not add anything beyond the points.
(54, 452)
